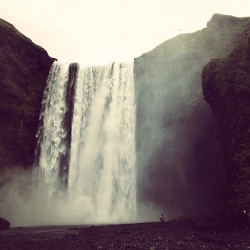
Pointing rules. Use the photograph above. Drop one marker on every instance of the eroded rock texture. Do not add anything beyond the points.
(24, 68)
(179, 167)
(183, 168)
(226, 87)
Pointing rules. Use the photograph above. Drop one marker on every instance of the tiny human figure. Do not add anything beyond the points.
(162, 219)
(246, 215)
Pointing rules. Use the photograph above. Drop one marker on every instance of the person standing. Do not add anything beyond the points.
(162, 219)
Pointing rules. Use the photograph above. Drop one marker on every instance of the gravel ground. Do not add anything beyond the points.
(173, 235)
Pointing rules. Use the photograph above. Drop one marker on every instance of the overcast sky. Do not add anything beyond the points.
(96, 32)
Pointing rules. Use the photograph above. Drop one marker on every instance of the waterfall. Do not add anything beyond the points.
(86, 139)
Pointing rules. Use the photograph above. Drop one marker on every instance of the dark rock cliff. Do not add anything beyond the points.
(24, 68)
(179, 166)
(226, 87)
(184, 167)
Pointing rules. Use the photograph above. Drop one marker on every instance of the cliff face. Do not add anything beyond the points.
(226, 87)
(184, 166)
(24, 68)
(179, 166)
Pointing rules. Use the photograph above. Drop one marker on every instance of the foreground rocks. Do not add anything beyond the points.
(4, 224)
(174, 235)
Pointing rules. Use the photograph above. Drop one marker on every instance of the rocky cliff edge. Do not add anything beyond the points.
(226, 87)
(24, 69)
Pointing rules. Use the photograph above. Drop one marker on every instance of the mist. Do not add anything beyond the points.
(25, 200)
(148, 144)
(178, 163)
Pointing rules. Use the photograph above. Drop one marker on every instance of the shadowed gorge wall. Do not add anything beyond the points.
(179, 169)
(188, 163)
(226, 87)
(24, 70)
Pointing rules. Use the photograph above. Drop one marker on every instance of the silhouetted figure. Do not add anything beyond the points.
(246, 215)
(162, 219)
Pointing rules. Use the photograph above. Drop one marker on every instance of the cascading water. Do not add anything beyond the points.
(86, 139)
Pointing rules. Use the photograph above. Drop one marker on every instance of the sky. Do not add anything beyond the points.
(96, 32)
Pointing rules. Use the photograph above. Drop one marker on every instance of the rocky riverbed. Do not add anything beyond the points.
(174, 235)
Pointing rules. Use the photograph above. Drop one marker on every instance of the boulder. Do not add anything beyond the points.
(4, 224)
